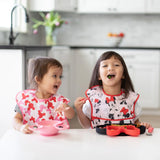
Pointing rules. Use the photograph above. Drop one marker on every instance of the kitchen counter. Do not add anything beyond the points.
(103, 47)
(23, 47)
(72, 47)
(79, 144)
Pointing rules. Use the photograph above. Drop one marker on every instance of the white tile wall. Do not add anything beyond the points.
(91, 29)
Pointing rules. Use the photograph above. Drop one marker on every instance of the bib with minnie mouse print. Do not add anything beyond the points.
(111, 109)
(35, 110)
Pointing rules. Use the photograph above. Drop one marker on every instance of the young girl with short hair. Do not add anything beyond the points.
(41, 102)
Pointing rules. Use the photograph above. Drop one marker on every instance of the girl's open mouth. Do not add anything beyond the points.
(110, 76)
(55, 86)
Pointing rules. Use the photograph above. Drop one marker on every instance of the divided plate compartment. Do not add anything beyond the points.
(102, 129)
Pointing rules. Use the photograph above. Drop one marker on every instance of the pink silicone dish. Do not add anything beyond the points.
(49, 127)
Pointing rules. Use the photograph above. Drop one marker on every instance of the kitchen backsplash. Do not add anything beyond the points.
(139, 30)
(92, 29)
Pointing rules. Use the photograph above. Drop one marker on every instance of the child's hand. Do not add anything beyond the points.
(25, 129)
(79, 102)
(62, 108)
(65, 109)
(147, 125)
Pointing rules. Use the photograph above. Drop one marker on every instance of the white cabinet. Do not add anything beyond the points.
(84, 61)
(153, 6)
(119, 6)
(111, 6)
(11, 82)
(144, 68)
(130, 6)
(49, 5)
(145, 80)
(95, 6)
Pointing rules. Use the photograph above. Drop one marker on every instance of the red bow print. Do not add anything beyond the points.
(124, 110)
(34, 99)
(26, 102)
(96, 100)
(31, 106)
(51, 117)
(50, 105)
(24, 96)
(109, 99)
(53, 98)
(41, 114)
(24, 121)
(65, 101)
(32, 119)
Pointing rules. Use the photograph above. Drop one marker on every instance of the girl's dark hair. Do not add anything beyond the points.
(39, 67)
(126, 82)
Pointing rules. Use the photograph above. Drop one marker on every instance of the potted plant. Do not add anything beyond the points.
(50, 21)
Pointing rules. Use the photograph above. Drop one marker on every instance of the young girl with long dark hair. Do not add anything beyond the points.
(111, 98)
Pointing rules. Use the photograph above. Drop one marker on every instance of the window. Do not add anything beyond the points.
(19, 23)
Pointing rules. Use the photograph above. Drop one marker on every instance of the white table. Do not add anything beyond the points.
(79, 144)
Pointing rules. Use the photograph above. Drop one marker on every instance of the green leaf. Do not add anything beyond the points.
(49, 21)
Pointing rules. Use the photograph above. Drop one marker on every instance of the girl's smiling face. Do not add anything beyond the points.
(50, 82)
(111, 72)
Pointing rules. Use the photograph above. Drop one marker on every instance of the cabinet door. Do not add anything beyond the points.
(11, 82)
(153, 6)
(96, 6)
(66, 5)
(144, 68)
(64, 55)
(83, 65)
(49, 5)
(32, 53)
(130, 6)
(146, 82)
(77, 69)
(111, 6)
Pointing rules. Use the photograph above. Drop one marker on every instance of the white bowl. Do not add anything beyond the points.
(114, 41)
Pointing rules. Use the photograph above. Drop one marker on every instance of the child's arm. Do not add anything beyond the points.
(68, 111)
(84, 120)
(18, 124)
(147, 125)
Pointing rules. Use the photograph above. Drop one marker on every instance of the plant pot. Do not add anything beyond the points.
(50, 36)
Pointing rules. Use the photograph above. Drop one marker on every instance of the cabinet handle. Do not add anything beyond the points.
(114, 9)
